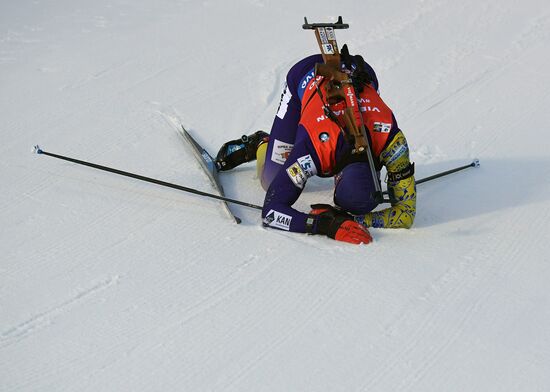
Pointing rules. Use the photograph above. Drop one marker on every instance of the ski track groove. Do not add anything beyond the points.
(445, 293)
(249, 327)
(433, 357)
(524, 42)
(506, 266)
(221, 293)
(38, 258)
(474, 81)
(392, 29)
(215, 299)
(149, 77)
(424, 328)
(477, 282)
(31, 187)
(334, 291)
(95, 76)
(60, 246)
(509, 266)
(26, 328)
(217, 295)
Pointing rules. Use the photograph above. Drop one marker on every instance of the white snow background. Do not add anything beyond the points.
(111, 284)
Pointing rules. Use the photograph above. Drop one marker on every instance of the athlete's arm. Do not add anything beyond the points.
(287, 186)
(395, 158)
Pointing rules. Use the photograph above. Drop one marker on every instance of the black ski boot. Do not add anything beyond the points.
(239, 151)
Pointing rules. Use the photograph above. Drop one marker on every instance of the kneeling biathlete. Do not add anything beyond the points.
(309, 138)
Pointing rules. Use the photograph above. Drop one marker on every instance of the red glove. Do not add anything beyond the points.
(337, 224)
(353, 232)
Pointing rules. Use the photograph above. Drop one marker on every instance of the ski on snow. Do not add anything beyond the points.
(207, 163)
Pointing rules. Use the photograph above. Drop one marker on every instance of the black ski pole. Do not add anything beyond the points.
(38, 150)
(474, 163)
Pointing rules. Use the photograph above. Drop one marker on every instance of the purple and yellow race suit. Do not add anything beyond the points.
(305, 142)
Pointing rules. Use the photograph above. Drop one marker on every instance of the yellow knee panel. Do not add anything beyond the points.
(260, 159)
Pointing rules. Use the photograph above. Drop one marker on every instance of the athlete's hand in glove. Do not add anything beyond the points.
(337, 224)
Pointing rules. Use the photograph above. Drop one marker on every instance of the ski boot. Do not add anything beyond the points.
(239, 151)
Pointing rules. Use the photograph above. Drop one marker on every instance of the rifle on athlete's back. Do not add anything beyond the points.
(340, 87)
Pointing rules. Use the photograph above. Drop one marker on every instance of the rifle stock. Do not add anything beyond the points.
(339, 86)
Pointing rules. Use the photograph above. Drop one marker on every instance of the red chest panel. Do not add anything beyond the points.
(324, 133)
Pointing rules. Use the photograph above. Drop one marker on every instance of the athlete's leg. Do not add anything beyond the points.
(281, 138)
(354, 189)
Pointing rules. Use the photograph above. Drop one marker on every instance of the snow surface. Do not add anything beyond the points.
(111, 284)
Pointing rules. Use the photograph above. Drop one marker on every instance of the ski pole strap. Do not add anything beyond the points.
(401, 174)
